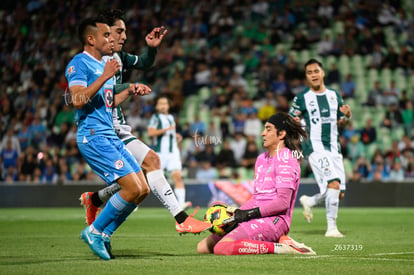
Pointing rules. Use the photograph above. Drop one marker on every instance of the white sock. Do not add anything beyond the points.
(315, 199)
(180, 193)
(332, 205)
(93, 230)
(104, 235)
(106, 193)
(162, 190)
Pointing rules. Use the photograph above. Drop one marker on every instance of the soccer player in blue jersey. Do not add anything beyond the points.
(146, 157)
(91, 83)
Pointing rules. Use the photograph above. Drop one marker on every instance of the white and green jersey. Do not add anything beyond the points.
(127, 61)
(320, 112)
(167, 142)
(121, 128)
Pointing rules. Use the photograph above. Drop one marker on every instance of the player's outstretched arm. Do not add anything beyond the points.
(129, 89)
(146, 60)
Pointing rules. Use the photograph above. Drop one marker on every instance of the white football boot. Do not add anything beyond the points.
(334, 233)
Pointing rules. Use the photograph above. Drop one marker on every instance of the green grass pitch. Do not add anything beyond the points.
(46, 241)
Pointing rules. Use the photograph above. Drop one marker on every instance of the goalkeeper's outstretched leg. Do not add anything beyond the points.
(248, 247)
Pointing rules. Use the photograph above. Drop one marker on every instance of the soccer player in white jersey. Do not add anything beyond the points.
(162, 129)
(147, 158)
(323, 110)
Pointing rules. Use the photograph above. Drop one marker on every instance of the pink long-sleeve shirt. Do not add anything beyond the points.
(276, 185)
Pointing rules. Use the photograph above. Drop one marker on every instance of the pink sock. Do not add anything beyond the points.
(243, 247)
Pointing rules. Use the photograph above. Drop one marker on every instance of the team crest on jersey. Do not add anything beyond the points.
(71, 70)
(109, 99)
(119, 164)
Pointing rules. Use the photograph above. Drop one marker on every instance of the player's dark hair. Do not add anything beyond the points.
(295, 133)
(86, 25)
(111, 16)
(313, 61)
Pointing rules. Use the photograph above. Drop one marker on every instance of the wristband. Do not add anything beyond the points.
(120, 87)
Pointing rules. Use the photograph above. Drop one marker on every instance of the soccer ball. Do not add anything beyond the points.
(215, 215)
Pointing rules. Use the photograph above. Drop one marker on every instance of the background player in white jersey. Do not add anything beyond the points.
(146, 157)
(162, 129)
(265, 218)
(322, 110)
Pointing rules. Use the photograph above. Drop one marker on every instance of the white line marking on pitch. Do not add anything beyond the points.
(388, 259)
(369, 257)
(391, 253)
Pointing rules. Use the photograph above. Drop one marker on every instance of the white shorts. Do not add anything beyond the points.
(327, 167)
(137, 148)
(170, 161)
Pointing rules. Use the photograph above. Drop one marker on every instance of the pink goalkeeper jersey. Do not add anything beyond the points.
(280, 171)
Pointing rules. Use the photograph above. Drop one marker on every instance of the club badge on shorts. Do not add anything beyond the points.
(119, 164)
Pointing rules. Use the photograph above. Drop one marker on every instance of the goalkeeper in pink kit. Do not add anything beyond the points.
(261, 224)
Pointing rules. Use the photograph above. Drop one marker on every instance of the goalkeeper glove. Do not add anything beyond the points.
(244, 215)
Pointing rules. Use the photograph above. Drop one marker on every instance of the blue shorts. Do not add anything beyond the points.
(108, 158)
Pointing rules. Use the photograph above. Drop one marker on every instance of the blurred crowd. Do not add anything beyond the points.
(228, 48)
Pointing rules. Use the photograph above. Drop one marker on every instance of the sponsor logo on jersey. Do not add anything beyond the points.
(71, 70)
(285, 171)
(328, 119)
(264, 191)
(109, 99)
(315, 120)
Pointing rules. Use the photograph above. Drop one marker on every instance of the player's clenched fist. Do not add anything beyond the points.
(111, 67)
(139, 89)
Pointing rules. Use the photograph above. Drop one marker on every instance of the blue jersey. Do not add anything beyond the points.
(94, 118)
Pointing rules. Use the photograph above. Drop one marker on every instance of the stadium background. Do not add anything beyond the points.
(223, 66)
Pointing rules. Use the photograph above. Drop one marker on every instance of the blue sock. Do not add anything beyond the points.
(110, 229)
(113, 209)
